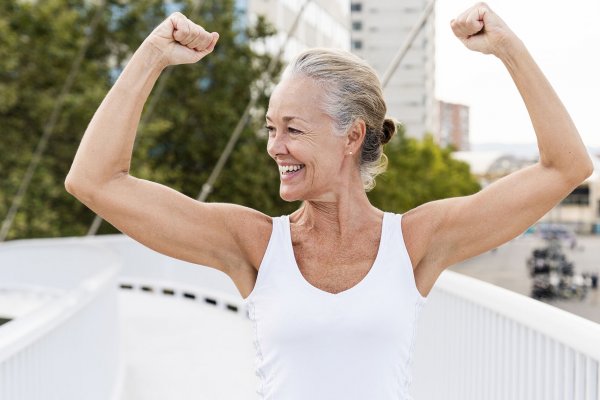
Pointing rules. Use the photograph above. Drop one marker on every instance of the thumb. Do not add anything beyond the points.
(213, 42)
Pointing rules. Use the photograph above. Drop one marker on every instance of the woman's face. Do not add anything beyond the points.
(303, 142)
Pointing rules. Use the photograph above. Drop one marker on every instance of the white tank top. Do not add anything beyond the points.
(353, 345)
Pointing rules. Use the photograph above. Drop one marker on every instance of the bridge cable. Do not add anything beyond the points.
(208, 186)
(50, 125)
(399, 56)
(241, 124)
(412, 35)
(149, 110)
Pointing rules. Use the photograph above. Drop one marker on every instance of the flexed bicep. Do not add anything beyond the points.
(500, 212)
(222, 236)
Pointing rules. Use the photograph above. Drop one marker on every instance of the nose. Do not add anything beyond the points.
(277, 145)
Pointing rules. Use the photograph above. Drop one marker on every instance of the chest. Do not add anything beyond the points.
(332, 264)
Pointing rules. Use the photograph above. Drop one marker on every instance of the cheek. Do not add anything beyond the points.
(326, 163)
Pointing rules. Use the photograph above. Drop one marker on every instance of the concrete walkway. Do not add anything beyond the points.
(174, 348)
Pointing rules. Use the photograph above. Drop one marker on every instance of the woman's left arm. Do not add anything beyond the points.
(459, 228)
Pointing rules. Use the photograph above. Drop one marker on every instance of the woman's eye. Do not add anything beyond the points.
(270, 129)
(294, 130)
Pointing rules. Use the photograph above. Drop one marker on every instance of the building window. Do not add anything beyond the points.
(355, 7)
(357, 25)
(357, 44)
(580, 196)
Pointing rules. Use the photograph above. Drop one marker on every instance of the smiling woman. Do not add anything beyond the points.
(341, 89)
(334, 289)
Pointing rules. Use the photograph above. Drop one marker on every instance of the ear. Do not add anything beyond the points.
(356, 136)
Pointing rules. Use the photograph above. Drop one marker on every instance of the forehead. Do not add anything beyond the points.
(296, 95)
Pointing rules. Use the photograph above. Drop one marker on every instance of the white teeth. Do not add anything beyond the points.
(283, 169)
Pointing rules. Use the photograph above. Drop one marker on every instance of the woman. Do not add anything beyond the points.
(334, 289)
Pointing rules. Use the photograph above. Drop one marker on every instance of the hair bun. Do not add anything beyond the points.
(388, 130)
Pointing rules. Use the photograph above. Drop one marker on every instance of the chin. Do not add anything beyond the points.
(289, 195)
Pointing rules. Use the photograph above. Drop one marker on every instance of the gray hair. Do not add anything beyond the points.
(352, 91)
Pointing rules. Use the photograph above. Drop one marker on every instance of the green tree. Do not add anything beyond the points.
(188, 118)
(420, 171)
(38, 42)
(197, 111)
(184, 134)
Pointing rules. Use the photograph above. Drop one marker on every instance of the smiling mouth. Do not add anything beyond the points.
(289, 169)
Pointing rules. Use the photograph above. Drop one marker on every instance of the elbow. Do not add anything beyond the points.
(79, 188)
(574, 169)
(585, 169)
(70, 184)
(74, 187)
(580, 170)
(589, 170)
(87, 189)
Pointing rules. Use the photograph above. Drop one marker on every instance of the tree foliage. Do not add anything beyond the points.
(420, 171)
(186, 124)
(184, 133)
(38, 42)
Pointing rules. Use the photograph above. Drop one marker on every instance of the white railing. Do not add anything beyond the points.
(475, 340)
(478, 341)
(67, 348)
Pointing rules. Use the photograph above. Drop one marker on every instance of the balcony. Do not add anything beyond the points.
(105, 318)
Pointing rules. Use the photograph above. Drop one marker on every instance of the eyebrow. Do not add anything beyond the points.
(287, 118)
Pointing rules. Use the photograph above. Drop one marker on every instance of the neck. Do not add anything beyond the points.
(344, 214)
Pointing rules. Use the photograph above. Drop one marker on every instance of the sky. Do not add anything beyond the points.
(564, 39)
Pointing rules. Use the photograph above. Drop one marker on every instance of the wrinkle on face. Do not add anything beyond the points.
(297, 104)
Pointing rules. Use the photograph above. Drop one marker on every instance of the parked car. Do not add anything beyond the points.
(559, 232)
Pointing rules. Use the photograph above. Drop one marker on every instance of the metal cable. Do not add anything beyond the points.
(399, 56)
(50, 125)
(158, 91)
(208, 186)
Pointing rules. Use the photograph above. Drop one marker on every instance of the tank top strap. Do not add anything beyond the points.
(398, 251)
(273, 254)
(392, 231)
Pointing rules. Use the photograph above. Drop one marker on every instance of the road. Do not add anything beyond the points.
(506, 267)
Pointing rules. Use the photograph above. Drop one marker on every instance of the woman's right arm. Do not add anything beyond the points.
(163, 219)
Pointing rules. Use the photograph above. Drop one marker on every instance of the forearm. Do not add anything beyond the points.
(558, 140)
(106, 148)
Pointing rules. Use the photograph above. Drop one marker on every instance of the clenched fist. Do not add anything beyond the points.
(181, 41)
(480, 29)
